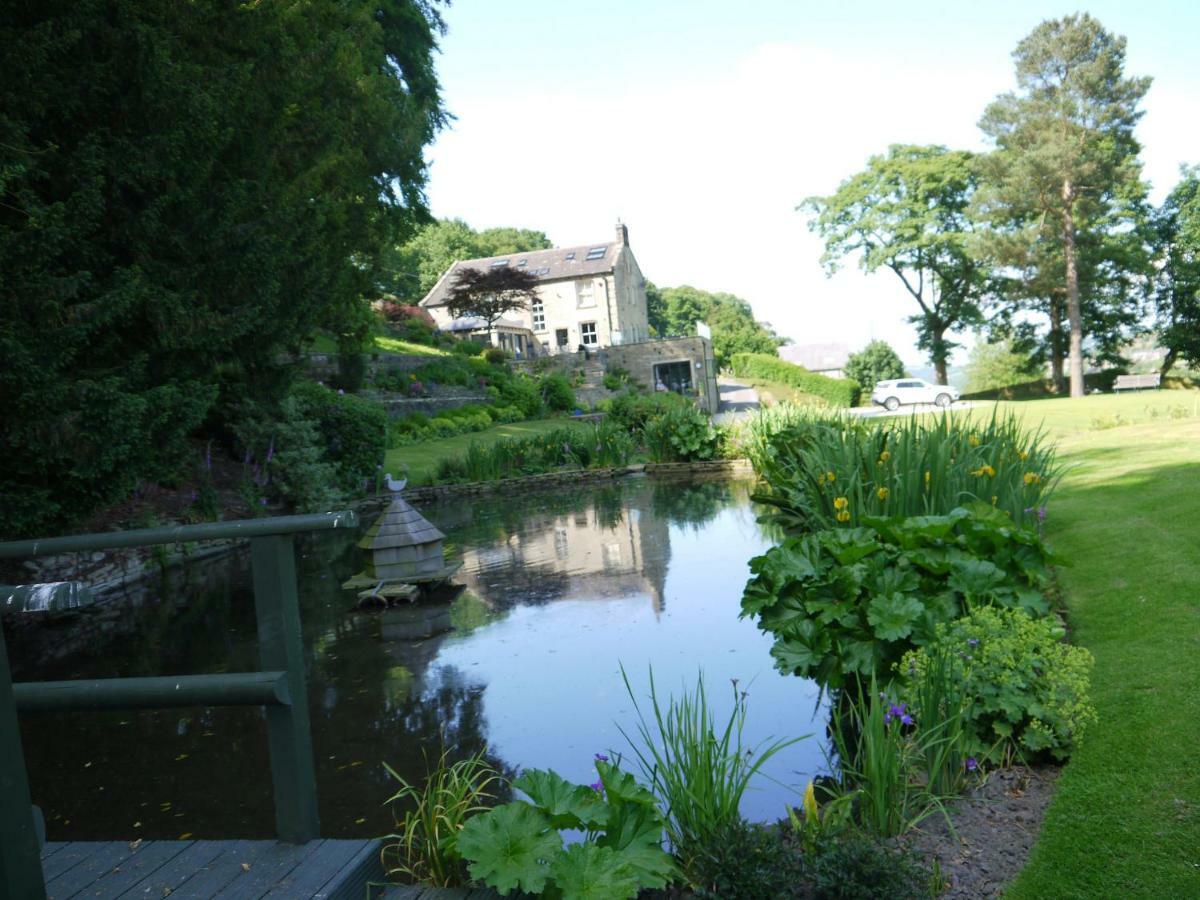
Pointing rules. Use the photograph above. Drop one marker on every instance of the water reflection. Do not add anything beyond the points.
(559, 590)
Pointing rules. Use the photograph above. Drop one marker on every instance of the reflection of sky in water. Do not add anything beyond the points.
(562, 587)
(553, 693)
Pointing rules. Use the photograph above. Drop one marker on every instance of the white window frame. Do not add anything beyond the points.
(584, 334)
(538, 310)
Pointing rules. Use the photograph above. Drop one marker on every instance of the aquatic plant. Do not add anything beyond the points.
(425, 845)
(698, 772)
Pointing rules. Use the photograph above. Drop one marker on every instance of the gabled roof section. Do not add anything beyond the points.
(546, 265)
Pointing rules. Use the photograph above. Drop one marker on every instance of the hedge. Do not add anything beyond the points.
(834, 391)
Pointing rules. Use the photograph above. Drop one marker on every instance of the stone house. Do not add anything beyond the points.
(591, 296)
(824, 359)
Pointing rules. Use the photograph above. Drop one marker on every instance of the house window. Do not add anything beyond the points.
(584, 296)
(597, 253)
(560, 337)
(587, 334)
(539, 316)
(673, 376)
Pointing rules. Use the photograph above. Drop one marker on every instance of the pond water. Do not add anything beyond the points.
(562, 589)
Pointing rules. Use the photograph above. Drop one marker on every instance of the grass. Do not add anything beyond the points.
(324, 343)
(422, 459)
(1125, 821)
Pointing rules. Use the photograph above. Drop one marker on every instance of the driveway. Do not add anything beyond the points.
(874, 412)
(738, 401)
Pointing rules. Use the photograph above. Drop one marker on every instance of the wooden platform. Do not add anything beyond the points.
(197, 870)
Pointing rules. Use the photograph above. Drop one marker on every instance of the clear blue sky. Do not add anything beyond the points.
(703, 124)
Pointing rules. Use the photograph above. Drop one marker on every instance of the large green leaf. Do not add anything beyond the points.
(568, 805)
(635, 833)
(893, 615)
(510, 847)
(587, 871)
(849, 545)
(975, 577)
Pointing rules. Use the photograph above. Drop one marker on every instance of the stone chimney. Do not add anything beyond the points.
(622, 235)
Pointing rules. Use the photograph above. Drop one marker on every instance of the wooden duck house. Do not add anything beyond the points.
(405, 549)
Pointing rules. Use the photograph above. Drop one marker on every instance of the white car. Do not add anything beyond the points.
(890, 394)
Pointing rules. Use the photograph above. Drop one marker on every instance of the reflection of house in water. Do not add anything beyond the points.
(586, 554)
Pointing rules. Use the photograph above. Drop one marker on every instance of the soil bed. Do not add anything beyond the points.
(995, 825)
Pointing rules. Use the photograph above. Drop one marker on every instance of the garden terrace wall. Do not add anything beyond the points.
(324, 366)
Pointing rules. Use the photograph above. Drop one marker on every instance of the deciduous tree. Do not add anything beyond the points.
(874, 363)
(908, 212)
(1177, 292)
(676, 310)
(490, 293)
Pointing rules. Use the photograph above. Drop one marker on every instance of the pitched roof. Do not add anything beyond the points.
(816, 357)
(400, 526)
(546, 265)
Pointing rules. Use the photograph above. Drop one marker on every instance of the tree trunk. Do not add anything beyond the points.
(938, 354)
(1074, 319)
(1056, 347)
(1167, 363)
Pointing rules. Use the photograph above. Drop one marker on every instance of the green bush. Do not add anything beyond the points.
(522, 392)
(632, 410)
(846, 603)
(353, 431)
(494, 356)
(557, 392)
(468, 348)
(742, 861)
(583, 446)
(841, 392)
(858, 868)
(282, 452)
(1026, 690)
(351, 370)
(680, 433)
(874, 363)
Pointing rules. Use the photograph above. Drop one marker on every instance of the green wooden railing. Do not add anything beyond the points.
(279, 687)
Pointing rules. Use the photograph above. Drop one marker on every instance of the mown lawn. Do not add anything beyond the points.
(1126, 819)
(422, 459)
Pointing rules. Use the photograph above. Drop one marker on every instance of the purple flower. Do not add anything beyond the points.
(897, 711)
(972, 642)
(972, 764)
(1041, 513)
(600, 757)
(597, 786)
(906, 719)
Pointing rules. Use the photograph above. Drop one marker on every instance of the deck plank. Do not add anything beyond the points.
(150, 857)
(69, 854)
(272, 866)
(353, 879)
(311, 877)
(102, 859)
(168, 878)
(213, 877)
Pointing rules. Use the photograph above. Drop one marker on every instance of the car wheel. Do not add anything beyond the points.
(942, 400)
(891, 404)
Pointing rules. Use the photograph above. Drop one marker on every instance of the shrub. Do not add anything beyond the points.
(1026, 690)
(680, 433)
(840, 392)
(468, 348)
(519, 845)
(632, 410)
(283, 456)
(847, 603)
(521, 392)
(557, 393)
(905, 467)
(874, 363)
(425, 846)
(746, 862)
(351, 370)
(858, 868)
(353, 431)
(698, 773)
(494, 356)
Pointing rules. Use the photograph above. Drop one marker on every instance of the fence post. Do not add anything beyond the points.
(289, 738)
(20, 856)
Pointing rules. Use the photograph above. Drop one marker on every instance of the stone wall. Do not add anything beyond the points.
(323, 366)
(640, 359)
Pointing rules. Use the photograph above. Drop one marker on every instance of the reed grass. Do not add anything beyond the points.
(698, 772)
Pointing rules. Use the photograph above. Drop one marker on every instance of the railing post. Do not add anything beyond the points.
(20, 857)
(289, 738)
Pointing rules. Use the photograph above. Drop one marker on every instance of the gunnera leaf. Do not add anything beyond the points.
(589, 872)
(893, 616)
(568, 805)
(510, 847)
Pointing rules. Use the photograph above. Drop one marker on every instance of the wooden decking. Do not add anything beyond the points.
(197, 870)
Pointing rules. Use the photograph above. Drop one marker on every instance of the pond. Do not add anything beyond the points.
(560, 590)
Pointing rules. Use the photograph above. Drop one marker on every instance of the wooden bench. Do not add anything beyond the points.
(1137, 382)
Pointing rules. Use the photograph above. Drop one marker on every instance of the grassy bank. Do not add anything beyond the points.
(422, 459)
(1126, 819)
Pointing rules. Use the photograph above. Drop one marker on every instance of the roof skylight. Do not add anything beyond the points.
(597, 252)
